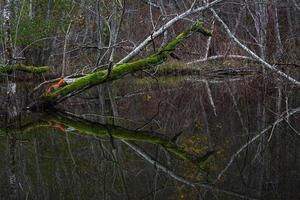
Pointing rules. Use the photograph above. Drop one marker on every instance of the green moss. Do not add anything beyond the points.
(20, 67)
(121, 70)
(80, 84)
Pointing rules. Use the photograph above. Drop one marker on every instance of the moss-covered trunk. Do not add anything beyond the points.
(24, 68)
(118, 71)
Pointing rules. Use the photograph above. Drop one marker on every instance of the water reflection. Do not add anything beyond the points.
(157, 143)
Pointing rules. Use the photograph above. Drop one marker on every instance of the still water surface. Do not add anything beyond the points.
(155, 139)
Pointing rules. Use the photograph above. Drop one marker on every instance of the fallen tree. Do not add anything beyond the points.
(7, 69)
(192, 10)
(72, 87)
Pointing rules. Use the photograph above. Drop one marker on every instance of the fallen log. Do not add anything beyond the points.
(72, 87)
(7, 69)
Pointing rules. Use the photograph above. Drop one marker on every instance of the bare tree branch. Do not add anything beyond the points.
(164, 28)
(220, 57)
(254, 55)
(296, 5)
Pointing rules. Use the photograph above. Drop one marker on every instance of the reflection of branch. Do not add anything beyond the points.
(283, 117)
(292, 127)
(152, 118)
(12, 166)
(179, 178)
(148, 158)
(234, 100)
(98, 130)
(210, 97)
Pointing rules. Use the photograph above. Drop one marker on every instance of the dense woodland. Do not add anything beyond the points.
(149, 99)
(80, 37)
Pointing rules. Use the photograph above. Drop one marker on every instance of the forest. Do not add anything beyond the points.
(150, 99)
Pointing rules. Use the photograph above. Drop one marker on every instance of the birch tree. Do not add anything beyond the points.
(8, 56)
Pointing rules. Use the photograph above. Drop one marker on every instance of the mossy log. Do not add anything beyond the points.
(24, 68)
(120, 70)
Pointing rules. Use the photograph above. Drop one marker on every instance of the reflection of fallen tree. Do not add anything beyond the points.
(283, 117)
(62, 121)
(59, 120)
(233, 72)
(179, 178)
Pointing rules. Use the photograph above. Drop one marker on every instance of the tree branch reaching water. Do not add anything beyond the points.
(96, 78)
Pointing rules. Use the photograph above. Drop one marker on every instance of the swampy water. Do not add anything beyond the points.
(145, 138)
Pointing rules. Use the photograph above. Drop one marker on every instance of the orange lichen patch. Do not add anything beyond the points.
(59, 127)
(55, 86)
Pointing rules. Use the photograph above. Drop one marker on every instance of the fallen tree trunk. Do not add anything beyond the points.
(24, 68)
(53, 97)
(218, 57)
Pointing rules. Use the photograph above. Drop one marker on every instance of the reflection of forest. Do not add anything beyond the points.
(57, 123)
(52, 155)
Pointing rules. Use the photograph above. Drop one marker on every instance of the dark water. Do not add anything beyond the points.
(157, 144)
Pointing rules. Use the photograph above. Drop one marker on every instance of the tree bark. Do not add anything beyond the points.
(7, 32)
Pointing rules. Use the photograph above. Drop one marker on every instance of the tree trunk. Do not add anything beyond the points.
(7, 32)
